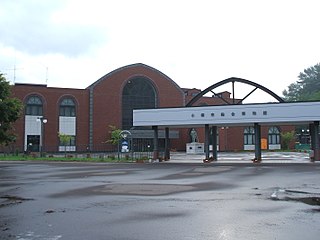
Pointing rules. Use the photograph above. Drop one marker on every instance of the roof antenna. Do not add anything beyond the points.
(47, 70)
(14, 69)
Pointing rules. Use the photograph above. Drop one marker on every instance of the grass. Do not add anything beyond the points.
(63, 158)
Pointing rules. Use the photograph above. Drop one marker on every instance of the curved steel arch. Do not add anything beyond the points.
(233, 80)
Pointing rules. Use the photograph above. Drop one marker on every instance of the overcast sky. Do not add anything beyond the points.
(72, 43)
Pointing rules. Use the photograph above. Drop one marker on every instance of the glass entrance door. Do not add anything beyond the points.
(33, 143)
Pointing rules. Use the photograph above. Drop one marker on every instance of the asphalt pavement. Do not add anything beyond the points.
(244, 157)
(179, 199)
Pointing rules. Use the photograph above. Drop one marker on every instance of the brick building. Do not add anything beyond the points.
(86, 114)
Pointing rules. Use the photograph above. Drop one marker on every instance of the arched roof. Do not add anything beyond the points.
(232, 80)
(135, 65)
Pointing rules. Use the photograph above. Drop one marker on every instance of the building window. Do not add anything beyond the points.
(67, 108)
(34, 106)
(138, 93)
(249, 136)
(265, 113)
(254, 113)
(274, 135)
(243, 113)
(222, 114)
(202, 114)
(71, 142)
(212, 114)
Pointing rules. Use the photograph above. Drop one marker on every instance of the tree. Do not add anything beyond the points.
(64, 139)
(10, 109)
(114, 135)
(287, 138)
(307, 87)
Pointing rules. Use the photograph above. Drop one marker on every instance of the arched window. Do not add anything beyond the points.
(67, 108)
(138, 93)
(34, 106)
(274, 135)
(249, 136)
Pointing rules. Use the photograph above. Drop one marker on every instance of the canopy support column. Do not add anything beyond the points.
(214, 143)
(206, 141)
(257, 133)
(314, 132)
(167, 145)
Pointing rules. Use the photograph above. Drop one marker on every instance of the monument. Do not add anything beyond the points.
(194, 147)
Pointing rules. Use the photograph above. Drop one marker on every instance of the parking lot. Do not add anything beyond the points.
(277, 199)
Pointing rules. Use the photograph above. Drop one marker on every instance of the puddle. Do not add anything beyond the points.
(305, 197)
(314, 201)
(10, 199)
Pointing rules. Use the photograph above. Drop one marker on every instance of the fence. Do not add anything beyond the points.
(138, 149)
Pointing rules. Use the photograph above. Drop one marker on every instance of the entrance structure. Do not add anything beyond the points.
(211, 117)
(233, 80)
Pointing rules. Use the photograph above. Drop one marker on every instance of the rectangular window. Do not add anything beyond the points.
(71, 142)
(34, 110)
(68, 111)
(249, 139)
(274, 139)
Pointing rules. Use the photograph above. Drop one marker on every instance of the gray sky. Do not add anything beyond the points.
(72, 43)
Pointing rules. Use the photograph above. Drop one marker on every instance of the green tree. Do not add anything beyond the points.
(287, 138)
(64, 139)
(114, 135)
(10, 109)
(307, 87)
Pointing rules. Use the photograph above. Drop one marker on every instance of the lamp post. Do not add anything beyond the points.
(42, 121)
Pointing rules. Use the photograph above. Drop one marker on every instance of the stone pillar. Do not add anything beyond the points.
(167, 145)
(315, 140)
(155, 143)
(206, 141)
(214, 143)
(257, 133)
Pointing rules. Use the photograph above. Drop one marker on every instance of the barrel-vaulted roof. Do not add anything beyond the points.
(135, 65)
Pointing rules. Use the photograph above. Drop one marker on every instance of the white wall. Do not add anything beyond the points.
(275, 113)
(32, 126)
(67, 125)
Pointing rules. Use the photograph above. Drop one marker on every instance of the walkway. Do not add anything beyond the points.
(243, 157)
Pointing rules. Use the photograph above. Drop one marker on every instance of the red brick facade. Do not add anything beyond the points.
(100, 105)
(51, 98)
(107, 96)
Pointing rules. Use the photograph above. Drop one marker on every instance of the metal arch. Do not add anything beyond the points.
(233, 79)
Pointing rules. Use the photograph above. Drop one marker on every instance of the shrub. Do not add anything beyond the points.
(286, 139)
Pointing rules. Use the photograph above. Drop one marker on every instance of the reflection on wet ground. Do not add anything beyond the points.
(159, 201)
(310, 198)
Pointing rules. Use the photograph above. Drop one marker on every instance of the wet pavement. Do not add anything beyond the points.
(168, 200)
(244, 157)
